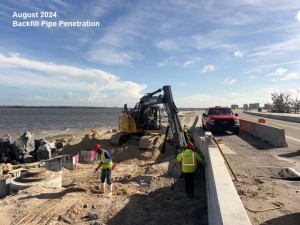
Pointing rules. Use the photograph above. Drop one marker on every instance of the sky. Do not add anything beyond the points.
(210, 52)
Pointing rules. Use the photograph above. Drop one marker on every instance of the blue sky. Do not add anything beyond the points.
(211, 52)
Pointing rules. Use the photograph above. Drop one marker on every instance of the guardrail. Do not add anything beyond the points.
(224, 204)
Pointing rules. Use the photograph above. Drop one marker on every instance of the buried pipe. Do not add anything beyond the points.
(235, 178)
(278, 205)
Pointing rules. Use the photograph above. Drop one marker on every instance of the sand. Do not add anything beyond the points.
(144, 190)
(146, 193)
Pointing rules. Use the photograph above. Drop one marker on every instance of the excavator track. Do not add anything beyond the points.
(118, 138)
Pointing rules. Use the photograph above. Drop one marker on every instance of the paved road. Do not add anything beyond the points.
(292, 130)
(253, 162)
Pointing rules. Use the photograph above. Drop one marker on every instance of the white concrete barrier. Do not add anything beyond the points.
(5, 182)
(224, 204)
(273, 135)
(50, 179)
(53, 164)
(70, 162)
(87, 156)
(290, 118)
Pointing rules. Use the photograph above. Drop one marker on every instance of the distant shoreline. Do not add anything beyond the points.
(58, 107)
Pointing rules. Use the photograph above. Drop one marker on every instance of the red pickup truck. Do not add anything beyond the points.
(220, 119)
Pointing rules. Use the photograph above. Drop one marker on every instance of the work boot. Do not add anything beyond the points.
(110, 190)
(102, 187)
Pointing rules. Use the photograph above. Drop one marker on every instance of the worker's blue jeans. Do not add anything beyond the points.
(106, 174)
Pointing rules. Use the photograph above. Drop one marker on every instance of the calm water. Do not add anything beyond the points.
(48, 121)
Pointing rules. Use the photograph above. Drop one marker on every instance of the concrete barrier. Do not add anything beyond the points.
(87, 156)
(70, 162)
(50, 179)
(273, 135)
(5, 182)
(54, 179)
(5, 186)
(53, 164)
(278, 116)
(224, 204)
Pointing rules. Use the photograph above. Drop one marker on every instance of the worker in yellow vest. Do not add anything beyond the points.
(106, 164)
(188, 159)
(186, 134)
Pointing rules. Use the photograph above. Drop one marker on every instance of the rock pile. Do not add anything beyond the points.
(26, 149)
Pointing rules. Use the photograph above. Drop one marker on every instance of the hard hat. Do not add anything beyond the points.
(97, 148)
(190, 145)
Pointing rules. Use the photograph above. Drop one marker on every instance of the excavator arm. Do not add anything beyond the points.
(171, 109)
(174, 121)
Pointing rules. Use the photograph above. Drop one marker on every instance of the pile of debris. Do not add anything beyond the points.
(26, 149)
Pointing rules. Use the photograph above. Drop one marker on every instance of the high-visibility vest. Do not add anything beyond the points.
(102, 158)
(189, 164)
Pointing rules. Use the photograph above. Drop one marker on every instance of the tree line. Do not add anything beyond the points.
(283, 103)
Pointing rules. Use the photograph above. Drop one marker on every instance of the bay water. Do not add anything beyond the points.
(46, 121)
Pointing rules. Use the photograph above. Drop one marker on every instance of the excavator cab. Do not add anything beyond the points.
(152, 120)
(149, 122)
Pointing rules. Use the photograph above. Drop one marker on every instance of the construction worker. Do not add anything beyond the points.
(186, 134)
(106, 164)
(151, 120)
(188, 159)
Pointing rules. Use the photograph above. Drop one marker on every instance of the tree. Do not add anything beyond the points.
(281, 102)
(296, 105)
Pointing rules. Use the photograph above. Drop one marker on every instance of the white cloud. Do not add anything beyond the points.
(263, 68)
(298, 16)
(252, 77)
(229, 81)
(279, 72)
(96, 85)
(292, 76)
(188, 63)
(287, 46)
(208, 68)
(239, 54)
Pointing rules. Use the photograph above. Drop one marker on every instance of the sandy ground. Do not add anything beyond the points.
(146, 193)
(144, 190)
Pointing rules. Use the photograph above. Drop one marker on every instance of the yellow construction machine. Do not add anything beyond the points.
(144, 120)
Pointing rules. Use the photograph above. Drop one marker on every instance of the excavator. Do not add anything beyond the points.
(144, 120)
